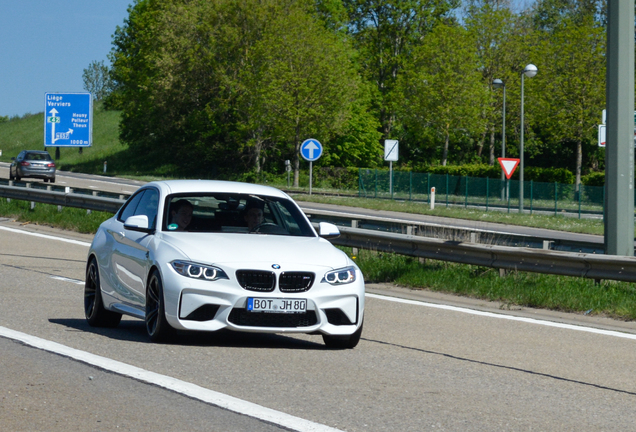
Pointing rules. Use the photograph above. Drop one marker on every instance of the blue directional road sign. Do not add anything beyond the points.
(68, 119)
(310, 149)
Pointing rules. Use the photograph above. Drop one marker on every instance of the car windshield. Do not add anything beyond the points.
(38, 156)
(234, 213)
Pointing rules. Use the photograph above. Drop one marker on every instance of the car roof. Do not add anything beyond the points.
(203, 186)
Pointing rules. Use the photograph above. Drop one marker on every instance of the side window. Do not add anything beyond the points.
(148, 206)
(130, 206)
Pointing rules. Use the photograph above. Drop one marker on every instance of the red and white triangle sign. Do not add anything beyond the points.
(508, 165)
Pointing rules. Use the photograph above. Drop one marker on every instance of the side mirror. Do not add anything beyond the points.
(137, 223)
(328, 230)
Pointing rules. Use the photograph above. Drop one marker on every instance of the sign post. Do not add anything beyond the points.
(288, 169)
(391, 148)
(311, 150)
(508, 167)
(68, 120)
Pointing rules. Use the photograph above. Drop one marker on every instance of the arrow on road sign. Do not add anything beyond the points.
(311, 149)
(508, 165)
(311, 146)
(53, 112)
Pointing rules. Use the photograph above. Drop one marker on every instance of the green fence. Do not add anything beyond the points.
(482, 192)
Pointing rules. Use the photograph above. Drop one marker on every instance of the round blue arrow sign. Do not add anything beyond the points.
(311, 149)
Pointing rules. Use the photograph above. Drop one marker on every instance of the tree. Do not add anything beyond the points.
(97, 80)
(386, 32)
(573, 86)
(494, 30)
(306, 82)
(442, 88)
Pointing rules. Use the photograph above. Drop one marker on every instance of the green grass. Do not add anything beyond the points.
(561, 293)
(559, 223)
(26, 133)
(72, 219)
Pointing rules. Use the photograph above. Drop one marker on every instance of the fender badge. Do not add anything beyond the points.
(275, 266)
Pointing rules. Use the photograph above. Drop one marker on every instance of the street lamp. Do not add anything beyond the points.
(529, 71)
(497, 83)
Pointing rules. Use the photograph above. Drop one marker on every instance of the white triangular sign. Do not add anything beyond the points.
(508, 165)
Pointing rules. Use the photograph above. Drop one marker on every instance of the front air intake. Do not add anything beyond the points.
(295, 281)
(256, 280)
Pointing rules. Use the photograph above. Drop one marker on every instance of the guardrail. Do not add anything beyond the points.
(66, 199)
(594, 266)
(591, 266)
(472, 235)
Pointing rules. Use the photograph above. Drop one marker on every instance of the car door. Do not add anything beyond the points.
(130, 259)
(13, 168)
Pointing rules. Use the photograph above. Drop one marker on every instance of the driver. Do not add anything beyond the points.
(253, 215)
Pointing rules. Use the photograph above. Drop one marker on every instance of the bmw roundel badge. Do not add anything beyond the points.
(275, 266)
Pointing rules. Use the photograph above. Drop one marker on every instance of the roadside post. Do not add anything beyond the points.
(311, 150)
(391, 148)
(288, 169)
(432, 199)
(508, 166)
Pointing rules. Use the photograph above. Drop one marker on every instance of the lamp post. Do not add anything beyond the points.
(529, 71)
(497, 83)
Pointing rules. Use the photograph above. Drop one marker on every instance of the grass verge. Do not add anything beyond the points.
(559, 223)
(562, 293)
(72, 219)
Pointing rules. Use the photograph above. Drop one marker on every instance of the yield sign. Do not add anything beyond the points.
(508, 165)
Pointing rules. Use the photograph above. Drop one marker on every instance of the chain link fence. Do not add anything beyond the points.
(479, 192)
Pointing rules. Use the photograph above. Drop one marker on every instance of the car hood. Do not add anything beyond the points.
(257, 249)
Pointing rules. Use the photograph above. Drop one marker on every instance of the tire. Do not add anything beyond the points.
(343, 342)
(156, 324)
(10, 175)
(96, 314)
(52, 180)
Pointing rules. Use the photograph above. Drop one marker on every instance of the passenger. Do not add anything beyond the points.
(180, 215)
(253, 215)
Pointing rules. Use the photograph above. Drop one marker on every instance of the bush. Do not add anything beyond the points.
(594, 179)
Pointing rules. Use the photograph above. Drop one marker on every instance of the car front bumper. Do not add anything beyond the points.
(193, 304)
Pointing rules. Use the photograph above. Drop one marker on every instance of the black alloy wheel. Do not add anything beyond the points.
(156, 324)
(96, 314)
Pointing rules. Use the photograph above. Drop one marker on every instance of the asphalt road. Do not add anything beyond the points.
(419, 366)
(126, 186)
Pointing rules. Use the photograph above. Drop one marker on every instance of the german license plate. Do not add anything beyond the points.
(276, 305)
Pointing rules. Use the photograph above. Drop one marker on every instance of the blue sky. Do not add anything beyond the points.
(46, 45)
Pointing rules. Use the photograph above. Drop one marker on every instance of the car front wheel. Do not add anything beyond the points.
(96, 314)
(343, 342)
(156, 324)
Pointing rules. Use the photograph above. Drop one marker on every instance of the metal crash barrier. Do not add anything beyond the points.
(593, 266)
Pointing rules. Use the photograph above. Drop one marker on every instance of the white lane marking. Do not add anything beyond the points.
(419, 303)
(50, 237)
(506, 317)
(185, 388)
(65, 279)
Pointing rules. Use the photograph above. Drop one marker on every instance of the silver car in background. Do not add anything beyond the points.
(32, 164)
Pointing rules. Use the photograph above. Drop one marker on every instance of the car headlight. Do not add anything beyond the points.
(198, 271)
(341, 276)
